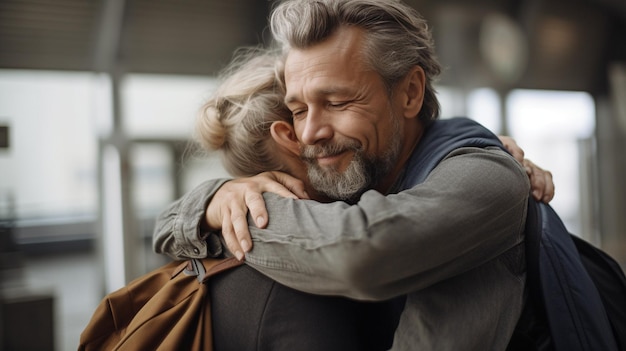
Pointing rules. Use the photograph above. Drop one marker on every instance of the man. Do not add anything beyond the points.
(358, 78)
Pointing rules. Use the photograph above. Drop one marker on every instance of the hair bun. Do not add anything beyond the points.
(211, 127)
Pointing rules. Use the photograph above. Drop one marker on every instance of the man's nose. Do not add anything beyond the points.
(316, 128)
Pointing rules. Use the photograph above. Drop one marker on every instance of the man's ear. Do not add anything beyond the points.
(285, 136)
(412, 92)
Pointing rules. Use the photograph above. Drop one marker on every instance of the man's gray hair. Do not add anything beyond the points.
(397, 37)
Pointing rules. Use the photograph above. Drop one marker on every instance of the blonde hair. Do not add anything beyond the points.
(236, 120)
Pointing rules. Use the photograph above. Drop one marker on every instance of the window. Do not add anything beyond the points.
(555, 129)
(49, 167)
(552, 126)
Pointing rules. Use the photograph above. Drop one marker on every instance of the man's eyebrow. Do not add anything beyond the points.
(321, 92)
(290, 99)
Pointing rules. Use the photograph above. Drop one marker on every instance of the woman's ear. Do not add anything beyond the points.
(412, 94)
(285, 136)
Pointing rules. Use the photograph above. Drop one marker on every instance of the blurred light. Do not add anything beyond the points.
(163, 105)
(548, 125)
(481, 105)
(484, 107)
(452, 102)
(618, 83)
(103, 105)
(504, 47)
(551, 114)
(557, 38)
(113, 228)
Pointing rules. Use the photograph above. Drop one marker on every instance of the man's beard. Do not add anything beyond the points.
(363, 172)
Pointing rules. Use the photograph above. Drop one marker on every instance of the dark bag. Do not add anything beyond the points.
(611, 283)
(577, 293)
(166, 309)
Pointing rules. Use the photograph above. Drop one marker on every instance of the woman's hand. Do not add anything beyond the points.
(228, 210)
(541, 183)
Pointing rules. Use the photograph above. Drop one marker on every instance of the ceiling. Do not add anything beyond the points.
(161, 36)
(570, 42)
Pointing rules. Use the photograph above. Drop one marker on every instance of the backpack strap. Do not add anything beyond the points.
(532, 241)
(204, 268)
(443, 137)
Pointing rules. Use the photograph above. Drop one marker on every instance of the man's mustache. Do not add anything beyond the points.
(312, 152)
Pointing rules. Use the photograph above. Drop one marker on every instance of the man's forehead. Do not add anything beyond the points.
(321, 74)
(344, 46)
(314, 62)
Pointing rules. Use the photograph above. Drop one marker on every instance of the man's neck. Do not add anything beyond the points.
(412, 136)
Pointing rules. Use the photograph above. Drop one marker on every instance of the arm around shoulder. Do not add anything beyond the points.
(177, 230)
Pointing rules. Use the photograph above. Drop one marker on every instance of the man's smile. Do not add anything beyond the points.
(333, 160)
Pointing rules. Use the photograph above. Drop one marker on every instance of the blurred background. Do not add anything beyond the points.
(98, 98)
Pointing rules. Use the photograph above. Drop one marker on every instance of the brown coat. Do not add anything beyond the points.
(166, 309)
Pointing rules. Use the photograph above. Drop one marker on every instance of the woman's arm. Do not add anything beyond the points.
(179, 229)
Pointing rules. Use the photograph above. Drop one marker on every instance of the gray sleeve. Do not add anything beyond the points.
(471, 209)
(177, 228)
